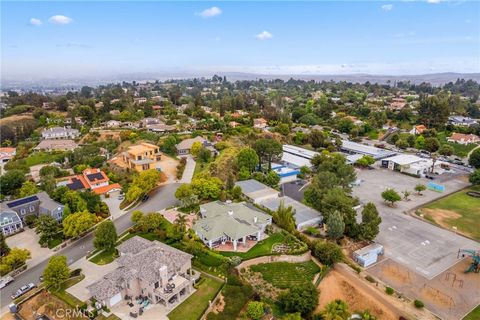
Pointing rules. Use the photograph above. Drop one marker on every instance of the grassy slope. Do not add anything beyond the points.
(197, 303)
(283, 275)
(468, 207)
(262, 248)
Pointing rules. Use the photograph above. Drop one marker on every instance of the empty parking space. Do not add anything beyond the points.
(422, 247)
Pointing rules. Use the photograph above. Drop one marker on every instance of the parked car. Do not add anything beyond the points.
(145, 198)
(121, 197)
(5, 281)
(23, 289)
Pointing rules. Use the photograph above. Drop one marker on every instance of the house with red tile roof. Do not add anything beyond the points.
(92, 179)
(463, 138)
(418, 129)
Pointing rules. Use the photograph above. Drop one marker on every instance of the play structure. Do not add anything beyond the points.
(475, 255)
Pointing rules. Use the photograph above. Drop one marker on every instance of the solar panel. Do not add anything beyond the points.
(76, 184)
(95, 176)
(22, 201)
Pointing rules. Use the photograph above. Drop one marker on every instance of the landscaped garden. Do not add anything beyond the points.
(284, 275)
(276, 243)
(195, 305)
(104, 257)
(457, 210)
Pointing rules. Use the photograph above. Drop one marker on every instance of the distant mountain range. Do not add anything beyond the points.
(433, 78)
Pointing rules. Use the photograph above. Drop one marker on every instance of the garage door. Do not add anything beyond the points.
(115, 299)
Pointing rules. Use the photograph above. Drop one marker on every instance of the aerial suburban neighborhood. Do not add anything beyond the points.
(343, 184)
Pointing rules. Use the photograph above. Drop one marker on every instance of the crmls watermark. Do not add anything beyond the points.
(73, 313)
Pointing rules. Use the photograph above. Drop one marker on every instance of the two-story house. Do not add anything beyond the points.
(142, 157)
(92, 179)
(13, 213)
(151, 270)
(60, 133)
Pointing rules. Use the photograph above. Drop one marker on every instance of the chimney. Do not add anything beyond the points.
(163, 275)
(230, 212)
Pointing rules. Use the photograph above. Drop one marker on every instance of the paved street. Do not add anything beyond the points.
(160, 198)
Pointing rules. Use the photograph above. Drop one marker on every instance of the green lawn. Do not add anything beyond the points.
(64, 295)
(283, 275)
(466, 206)
(104, 257)
(42, 157)
(58, 239)
(474, 315)
(262, 248)
(195, 305)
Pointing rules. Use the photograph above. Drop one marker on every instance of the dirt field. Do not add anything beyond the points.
(15, 118)
(104, 136)
(358, 296)
(45, 303)
(450, 295)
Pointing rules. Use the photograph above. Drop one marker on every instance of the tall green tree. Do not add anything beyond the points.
(4, 248)
(47, 227)
(28, 188)
(247, 159)
(56, 272)
(328, 253)
(474, 159)
(11, 181)
(105, 236)
(335, 225)
(433, 111)
(371, 220)
(283, 217)
(336, 310)
(390, 195)
(268, 150)
(300, 298)
(77, 223)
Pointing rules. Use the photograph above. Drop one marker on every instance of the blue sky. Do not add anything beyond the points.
(51, 39)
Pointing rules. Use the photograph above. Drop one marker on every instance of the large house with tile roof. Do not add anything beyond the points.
(229, 222)
(92, 179)
(153, 270)
(143, 156)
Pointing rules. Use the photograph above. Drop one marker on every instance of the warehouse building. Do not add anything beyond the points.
(351, 147)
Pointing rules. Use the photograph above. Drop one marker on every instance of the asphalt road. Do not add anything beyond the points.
(160, 198)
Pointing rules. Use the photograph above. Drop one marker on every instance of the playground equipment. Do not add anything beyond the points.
(475, 266)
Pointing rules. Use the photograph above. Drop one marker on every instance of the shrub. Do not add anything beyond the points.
(389, 291)
(370, 279)
(30, 220)
(418, 304)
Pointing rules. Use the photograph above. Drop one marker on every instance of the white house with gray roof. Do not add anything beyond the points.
(148, 271)
(228, 222)
(60, 133)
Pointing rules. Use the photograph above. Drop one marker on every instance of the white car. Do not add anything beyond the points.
(23, 289)
(5, 281)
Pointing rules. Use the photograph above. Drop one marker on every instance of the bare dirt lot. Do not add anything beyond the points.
(357, 294)
(450, 295)
(47, 304)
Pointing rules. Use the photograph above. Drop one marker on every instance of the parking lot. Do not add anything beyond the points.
(420, 246)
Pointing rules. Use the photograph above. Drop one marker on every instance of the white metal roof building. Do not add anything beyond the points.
(358, 148)
(297, 157)
(256, 191)
(411, 164)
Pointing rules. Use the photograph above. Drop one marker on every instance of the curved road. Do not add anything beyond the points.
(160, 198)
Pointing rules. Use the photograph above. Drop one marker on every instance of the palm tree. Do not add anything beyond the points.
(336, 310)
(181, 223)
(283, 217)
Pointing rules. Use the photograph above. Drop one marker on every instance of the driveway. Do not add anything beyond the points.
(418, 245)
(189, 170)
(28, 239)
(93, 272)
(113, 204)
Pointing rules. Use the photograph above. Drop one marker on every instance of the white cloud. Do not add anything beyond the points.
(59, 19)
(35, 22)
(210, 12)
(264, 35)
(434, 1)
(387, 7)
